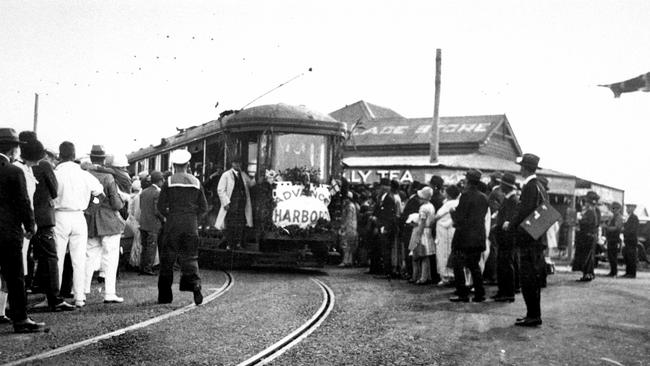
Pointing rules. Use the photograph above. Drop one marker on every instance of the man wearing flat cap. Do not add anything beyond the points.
(531, 251)
(469, 238)
(182, 202)
(16, 214)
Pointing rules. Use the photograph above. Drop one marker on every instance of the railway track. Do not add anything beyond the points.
(277, 349)
(61, 350)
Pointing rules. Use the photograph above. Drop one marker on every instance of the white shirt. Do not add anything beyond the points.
(30, 179)
(75, 187)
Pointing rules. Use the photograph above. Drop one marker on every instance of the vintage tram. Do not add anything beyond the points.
(294, 156)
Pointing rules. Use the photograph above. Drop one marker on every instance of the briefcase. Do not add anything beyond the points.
(540, 220)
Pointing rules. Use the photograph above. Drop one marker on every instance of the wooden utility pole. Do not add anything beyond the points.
(435, 134)
(35, 111)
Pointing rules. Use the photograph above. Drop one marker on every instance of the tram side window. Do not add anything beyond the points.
(164, 162)
(297, 150)
(152, 163)
(139, 166)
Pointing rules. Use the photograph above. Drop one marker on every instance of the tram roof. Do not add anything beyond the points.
(281, 117)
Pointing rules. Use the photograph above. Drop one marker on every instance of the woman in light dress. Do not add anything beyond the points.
(445, 232)
(421, 235)
(348, 230)
(132, 222)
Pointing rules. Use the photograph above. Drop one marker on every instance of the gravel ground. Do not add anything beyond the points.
(377, 322)
(374, 322)
(140, 295)
(259, 310)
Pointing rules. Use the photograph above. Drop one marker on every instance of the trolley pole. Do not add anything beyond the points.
(435, 133)
(35, 111)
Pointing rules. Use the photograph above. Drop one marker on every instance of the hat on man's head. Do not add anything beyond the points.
(530, 161)
(384, 182)
(426, 193)
(509, 180)
(27, 136)
(616, 205)
(32, 150)
(436, 181)
(120, 161)
(496, 176)
(9, 136)
(180, 157)
(592, 197)
(156, 176)
(473, 175)
(97, 152)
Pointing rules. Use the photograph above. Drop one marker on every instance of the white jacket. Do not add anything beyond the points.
(224, 190)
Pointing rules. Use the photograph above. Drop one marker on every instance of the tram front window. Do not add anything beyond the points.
(296, 150)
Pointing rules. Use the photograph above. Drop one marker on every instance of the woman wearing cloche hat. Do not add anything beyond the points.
(421, 245)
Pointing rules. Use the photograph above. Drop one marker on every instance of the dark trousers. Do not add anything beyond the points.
(630, 255)
(149, 240)
(506, 270)
(374, 252)
(386, 242)
(532, 263)
(612, 256)
(47, 271)
(235, 234)
(469, 259)
(66, 279)
(11, 267)
(180, 241)
(405, 236)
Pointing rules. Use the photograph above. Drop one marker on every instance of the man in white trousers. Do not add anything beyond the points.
(105, 227)
(75, 190)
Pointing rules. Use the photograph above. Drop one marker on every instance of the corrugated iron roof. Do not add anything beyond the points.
(364, 111)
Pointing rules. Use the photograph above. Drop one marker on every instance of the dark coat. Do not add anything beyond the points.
(45, 192)
(15, 207)
(150, 218)
(531, 198)
(631, 229)
(385, 212)
(507, 211)
(104, 219)
(469, 221)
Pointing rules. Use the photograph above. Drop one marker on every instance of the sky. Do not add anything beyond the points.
(124, 74)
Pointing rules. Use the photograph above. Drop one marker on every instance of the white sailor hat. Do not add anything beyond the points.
(180, 157)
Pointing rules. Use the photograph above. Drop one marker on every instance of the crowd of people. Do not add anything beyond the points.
(468, 234)
(63, 220)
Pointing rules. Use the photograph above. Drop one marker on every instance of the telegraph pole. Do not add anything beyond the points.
(35, 111)
(435, 134)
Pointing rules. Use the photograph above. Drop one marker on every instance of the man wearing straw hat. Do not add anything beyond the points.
(531, 250)
(182, 202)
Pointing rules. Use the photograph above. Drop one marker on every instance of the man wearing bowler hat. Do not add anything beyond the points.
(386, 218)
(531, 250)
(505, 241)
(469, 238)
(182, 202)
(105, 227)
(16, 214)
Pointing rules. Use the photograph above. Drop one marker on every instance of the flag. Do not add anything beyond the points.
(641, 82)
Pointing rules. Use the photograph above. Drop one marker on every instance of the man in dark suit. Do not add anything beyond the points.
(469, 238)
(16, 213)
(531, 251)
(630, 238)
(150, 223)
(43, 242)
(504, 240)
(385, 214)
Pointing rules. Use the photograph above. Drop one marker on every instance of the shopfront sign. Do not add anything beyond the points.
(369, 176)
(294, 206)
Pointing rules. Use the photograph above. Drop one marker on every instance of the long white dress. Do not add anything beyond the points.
(444, 234)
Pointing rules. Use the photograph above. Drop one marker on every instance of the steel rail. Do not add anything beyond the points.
(70, 347)
(274, 351)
